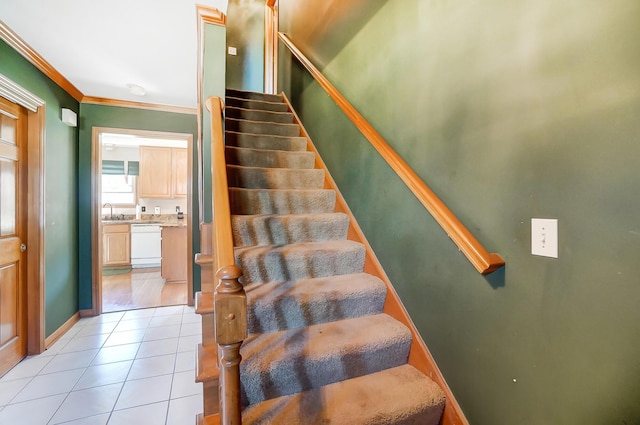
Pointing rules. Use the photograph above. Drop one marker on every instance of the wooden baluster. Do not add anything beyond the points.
(230, 308)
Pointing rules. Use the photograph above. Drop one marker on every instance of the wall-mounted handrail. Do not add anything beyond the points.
(481, 259)
(229, 299)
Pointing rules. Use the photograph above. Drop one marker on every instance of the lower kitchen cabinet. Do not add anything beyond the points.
(116, 245)
(174, 254)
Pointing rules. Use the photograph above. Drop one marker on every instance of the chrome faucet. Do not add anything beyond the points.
(110, 211)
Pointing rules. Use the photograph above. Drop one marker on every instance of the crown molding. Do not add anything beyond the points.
(19, 45)
(211, 15)
(16, 94)
(138, 105)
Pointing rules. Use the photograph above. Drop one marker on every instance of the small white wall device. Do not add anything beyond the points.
(69, 117)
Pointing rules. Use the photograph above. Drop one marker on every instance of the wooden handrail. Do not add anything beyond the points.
(230, 301)
(223, 236)
(481, 259)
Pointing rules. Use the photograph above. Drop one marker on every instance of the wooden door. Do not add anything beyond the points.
(13, 338)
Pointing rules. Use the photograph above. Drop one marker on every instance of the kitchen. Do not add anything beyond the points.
(143, 221)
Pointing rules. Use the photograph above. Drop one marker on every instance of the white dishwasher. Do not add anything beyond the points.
(146, 245)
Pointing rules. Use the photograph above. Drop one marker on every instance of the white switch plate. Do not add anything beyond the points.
(232, 51)
(156, 210)
(544, 237)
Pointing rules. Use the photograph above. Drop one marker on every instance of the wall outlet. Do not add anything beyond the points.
(544, 237)
(232, 51)
(156, 210)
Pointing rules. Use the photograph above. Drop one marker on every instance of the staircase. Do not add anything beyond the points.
(321, 347)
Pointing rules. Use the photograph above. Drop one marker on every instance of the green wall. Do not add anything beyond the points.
(60, 163)
(509, 111)
(212, 85)
(245, 31)
(137, 119)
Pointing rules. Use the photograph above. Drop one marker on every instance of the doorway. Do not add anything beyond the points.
(141, 219)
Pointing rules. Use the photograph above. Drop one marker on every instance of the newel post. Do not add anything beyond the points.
(230, 307)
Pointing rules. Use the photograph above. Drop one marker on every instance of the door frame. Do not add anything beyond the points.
(96, 222)
(35, 276)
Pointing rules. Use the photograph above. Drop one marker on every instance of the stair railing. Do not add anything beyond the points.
(481, 259)
(230, 300)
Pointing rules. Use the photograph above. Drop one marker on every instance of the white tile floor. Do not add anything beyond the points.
(135, 367)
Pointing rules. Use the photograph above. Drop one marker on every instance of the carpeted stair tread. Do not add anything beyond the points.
(274, 178)
(265, 141)
(258, 115)
(290, 361)
(277, 306)
(277, 201)
(256, 104)
(261, 127)
(288, 228)
(398, 396)
(242, 94)
(269, 263)
(268, 158)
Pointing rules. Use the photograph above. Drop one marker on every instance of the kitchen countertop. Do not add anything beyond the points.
(165, 220)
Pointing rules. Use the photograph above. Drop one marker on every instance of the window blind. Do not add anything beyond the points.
(111, 167)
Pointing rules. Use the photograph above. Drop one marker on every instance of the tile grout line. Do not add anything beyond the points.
(184, 325)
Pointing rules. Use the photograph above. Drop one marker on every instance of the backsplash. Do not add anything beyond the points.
(167, 207)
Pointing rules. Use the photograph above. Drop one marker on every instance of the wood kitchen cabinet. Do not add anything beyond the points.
(179, 164)
(163, 172)
(174, 254)
(116, 245)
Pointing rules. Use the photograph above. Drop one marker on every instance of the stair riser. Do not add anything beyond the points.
(293, 375)
(208, 333)
(211, 397)
(257, 115)
(256, 201)
(259, 266)
(269, 158)
(278, 178)
(253, 95)
(284, 230)
(292, 312)
(256, 104)
(399, 396)
(257, 127)
(263, 141)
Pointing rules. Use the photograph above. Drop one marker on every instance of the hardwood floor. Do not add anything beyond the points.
(140, 288)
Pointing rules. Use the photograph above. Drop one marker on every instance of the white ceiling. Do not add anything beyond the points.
(101, 46)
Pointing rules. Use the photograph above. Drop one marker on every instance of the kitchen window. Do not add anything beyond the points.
(120, 190)
(118, 187)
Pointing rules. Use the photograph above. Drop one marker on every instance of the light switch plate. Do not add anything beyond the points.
(544, 237)
(156, 210)
(232, 51)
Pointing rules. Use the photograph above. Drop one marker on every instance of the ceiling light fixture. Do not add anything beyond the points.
(136, 89)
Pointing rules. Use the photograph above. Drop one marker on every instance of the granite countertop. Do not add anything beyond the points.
(163, 220)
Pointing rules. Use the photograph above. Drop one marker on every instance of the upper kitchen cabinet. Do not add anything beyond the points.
(179, 164)
(163, 172)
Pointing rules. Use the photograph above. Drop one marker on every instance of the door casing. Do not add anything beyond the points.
(96, 222)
